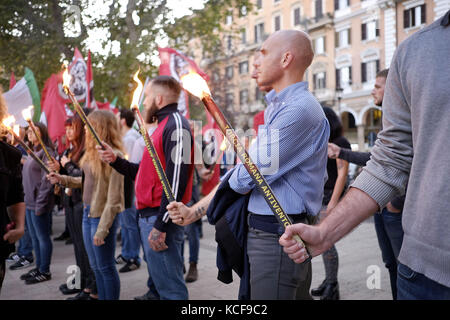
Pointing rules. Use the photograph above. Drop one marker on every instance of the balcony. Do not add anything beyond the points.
(320, 21)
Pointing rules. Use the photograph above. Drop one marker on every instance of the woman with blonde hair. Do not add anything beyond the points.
(103, 199)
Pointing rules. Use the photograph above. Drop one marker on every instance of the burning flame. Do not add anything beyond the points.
(137, 91)
(223, 145)
(195, 84)
(66, 77)
(26, 113)
(8, 122)
(16, 129)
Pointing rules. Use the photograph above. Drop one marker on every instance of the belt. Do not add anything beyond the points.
(148, 212)
(269, 223)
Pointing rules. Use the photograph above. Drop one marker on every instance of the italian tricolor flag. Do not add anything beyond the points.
(24, 94)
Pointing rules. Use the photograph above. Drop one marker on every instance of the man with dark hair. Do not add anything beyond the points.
(174, 145)
(131, 241)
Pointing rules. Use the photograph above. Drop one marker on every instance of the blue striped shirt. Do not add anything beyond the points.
(291, 152)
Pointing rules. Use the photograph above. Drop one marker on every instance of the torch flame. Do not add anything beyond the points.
(9, 121)
(195, 84)
(16, 129)
(223, 145)
(137, 91)
(66, 77)
(26, 113)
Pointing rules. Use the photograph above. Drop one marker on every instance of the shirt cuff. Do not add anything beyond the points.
(378, 190)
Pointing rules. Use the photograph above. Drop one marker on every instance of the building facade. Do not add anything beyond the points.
(352, 41)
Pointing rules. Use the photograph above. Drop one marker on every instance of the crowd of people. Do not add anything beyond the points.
(116, 184)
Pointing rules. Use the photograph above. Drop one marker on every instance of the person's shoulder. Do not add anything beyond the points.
(415, 40)
(11, 154)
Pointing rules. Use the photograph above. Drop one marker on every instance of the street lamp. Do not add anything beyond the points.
(339, 97)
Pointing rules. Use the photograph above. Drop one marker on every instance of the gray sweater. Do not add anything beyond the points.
(38, 190)
(414, 143)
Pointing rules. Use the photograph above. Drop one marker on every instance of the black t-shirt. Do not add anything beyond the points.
(331, 163)
(11, 190)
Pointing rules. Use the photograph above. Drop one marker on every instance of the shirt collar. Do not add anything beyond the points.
(269, 96)
(445, 22)
(288, 91)
(162, 113)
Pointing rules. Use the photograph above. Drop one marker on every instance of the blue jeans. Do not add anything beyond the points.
(193, 235)
(165, 267)
(101, 258)
(39, 229)
(415, 286)
(388, 226)
(131, 241)
(145, 227)
(25, 248)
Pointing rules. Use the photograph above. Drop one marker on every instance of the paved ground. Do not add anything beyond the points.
(359, 259)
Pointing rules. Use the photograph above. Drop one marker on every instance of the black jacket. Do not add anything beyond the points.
(228, 212)
(11, 190)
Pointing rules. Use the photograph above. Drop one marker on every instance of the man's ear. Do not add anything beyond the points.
(159, 100)
(286, 59)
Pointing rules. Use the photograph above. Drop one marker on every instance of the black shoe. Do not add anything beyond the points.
(82, 295)
(39, 277)
(66, 291)
(148, 296)
(131, 265)
(63, 236)
(13, 258)
(317, 292)
(120, 259)
(21, 263)
(192, 273)
(29, 274)
(331, 292)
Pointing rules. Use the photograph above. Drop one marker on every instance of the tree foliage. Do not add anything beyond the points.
(34, 34)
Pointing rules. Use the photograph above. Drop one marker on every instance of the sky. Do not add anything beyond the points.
(94, 41)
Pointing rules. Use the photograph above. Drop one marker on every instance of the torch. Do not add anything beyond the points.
(26, 114)
(7, 122)
(78, 109)
(197, 86)
(149, 144)
(223, 147)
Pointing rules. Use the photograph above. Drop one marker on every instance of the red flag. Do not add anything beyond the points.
(12, 81)
(90, 100)
(258, 120)
(107, 106)
(54, 107)
(176, 64)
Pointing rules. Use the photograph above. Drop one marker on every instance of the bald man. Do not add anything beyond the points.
(291, 151)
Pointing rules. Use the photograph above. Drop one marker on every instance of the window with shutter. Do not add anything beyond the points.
(338, 78)
(363, 31)
(423, 13)
(363, 72)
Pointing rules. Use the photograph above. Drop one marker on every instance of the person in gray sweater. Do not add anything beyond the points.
(388, 221)
(411, 148)
(39, 202)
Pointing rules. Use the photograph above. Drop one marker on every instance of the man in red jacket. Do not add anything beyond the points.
(174, 144)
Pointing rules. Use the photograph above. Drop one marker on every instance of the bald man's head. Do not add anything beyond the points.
(284, 55)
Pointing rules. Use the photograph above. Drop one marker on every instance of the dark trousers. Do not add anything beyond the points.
(273, 275)
(388, 226)
(74, 219)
